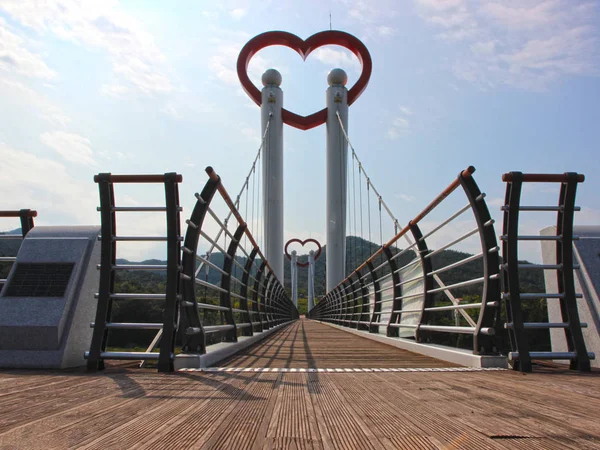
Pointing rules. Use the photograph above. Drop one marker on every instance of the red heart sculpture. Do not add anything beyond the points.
(304, 48)
(302, 243)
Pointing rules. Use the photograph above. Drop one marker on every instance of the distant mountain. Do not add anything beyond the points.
(357, 251)
(15, 231)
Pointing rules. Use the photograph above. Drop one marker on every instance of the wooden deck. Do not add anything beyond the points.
(131, 408)
(312, 344)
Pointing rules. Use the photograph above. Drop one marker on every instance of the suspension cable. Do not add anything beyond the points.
(362, 169)
(394, 219)
(369, 208)
(253, 195)
(259, 209)
(246, 214)
(244, 186)
(380, 225)
(354, 207)
(361, 211)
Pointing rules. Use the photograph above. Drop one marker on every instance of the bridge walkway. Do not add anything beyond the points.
(431, 408)
(311, 344)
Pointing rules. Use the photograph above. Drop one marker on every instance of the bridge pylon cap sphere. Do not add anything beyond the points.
(294, 253)
(271, 77)
(337, 77)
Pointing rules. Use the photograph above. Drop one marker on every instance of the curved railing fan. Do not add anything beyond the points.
(409, 292)
(246, 298)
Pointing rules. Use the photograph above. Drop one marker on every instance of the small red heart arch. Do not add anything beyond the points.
(302, 243)
(304, 48)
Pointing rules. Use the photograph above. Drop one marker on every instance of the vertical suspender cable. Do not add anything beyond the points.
(362, 258)
(380, 224)
(369, 209)
(354, 209)
(253, 196)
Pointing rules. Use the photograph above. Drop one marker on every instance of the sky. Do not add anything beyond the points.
(150, 87)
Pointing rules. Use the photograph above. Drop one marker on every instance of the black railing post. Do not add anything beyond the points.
(356, 294)
(107, 275)
(26, 221)
(258, 294)
(427, 268)
(566, 281)
(267, 300)
(195, 339)
(488, 316)
(376, 313)
(510, 264)
(345, 287)
(364, 306)
(392, 331)
(167, 342)
(343, 308)
(245, 302)
(225, 297)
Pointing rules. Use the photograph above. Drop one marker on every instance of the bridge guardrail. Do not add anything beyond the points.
(521, 355)
(109, 268)
(246, 297)
(396, 289)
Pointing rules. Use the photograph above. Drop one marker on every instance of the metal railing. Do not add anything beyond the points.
(109, 268)
(231, 292)
(7, 260)
(410, 292)
(521, 357)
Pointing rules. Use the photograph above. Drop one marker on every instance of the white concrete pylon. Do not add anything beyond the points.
(337, 161)
(311, 279)
(272, 170)
(294, 277)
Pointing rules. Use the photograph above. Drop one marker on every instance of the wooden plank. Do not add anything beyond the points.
(306, 344)
(127, 407)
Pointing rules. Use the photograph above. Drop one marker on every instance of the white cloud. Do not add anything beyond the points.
(405, 197)
(15, 58)
(375, 18)
(251, 134)
(114, 90)
(384, 30)
(210, 15)
(135, 57)
(40, 103)
(528, 45)
(341, 58)
(440, 5)
(223, 63)
(170, 110)
(238, 13)
(70, 146)
(523, 17)
(400, 124)
(47, 186)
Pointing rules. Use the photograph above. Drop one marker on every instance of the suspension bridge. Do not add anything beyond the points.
(420, 335)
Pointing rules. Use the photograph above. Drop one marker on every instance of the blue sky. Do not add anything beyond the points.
(149, 86)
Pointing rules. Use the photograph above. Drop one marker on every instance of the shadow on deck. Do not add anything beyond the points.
(126, 407)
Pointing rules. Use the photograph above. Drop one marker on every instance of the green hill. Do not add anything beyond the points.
(357, 251)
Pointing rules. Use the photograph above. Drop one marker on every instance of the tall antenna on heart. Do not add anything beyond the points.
(330, 19)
